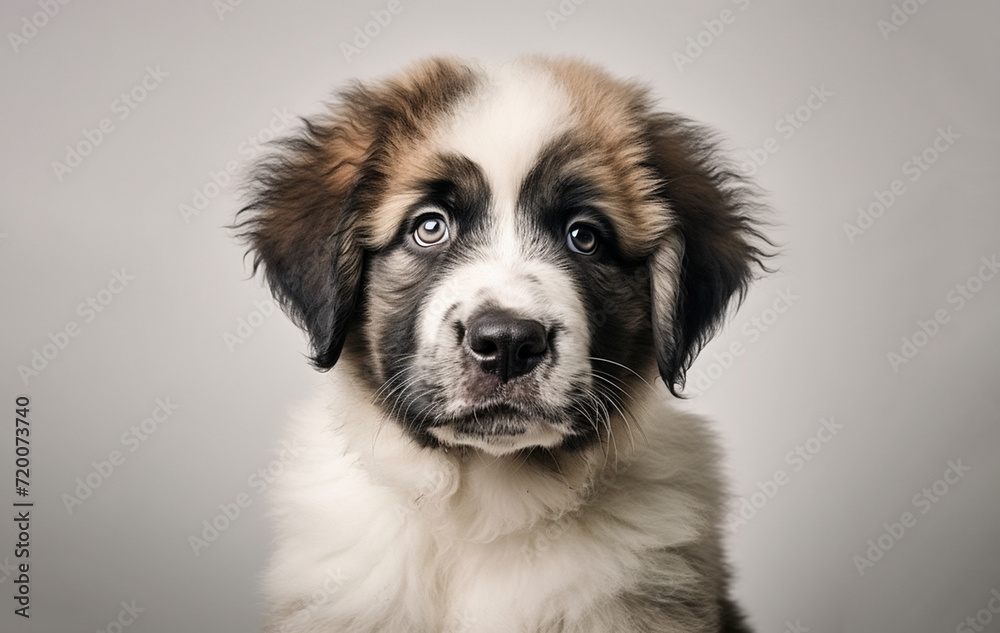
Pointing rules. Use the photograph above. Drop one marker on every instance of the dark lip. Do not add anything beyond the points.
(493, 419)
(490, 427)
(496, 410)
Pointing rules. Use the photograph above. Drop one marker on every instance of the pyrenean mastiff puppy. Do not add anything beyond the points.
(503, 261)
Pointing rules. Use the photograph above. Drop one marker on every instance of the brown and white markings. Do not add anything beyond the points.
(501, 260)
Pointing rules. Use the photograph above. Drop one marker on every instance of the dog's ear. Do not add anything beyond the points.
(300, 225)
(708, 257)
(311, 194)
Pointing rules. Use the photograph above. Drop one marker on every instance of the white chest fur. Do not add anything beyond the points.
(377, 534)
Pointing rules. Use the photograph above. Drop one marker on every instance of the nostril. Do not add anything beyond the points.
(484, 347)
(531, 340)
(506, 345)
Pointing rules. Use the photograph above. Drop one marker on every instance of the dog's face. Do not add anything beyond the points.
(506, 252)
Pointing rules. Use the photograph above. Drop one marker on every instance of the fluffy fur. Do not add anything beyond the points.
(501, 260)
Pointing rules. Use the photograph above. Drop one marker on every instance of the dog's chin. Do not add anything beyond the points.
(501, 434)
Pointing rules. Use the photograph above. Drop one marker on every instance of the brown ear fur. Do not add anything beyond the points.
(719, 242)
(298, 227)
(308, 195)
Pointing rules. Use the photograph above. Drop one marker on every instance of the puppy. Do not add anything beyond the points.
(502, 261)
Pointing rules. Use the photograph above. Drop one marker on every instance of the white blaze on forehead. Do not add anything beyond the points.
(503, 128)
(533, 289)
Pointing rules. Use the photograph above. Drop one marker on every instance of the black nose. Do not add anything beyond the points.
(505, 345)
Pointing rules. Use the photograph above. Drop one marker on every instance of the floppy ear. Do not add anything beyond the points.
(307, 198)
(300, 225)
(709, 256)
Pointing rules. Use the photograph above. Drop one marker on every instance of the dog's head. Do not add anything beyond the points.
(505, 251)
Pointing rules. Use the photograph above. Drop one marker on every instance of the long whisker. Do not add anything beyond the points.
(601, 385)
(602, 418)
(614, 381)
(625, 367)
(628, 419)
(391, 378)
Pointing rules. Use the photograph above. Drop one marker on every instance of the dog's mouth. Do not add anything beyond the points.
(492, 419)
(514, 417)
(501, 428)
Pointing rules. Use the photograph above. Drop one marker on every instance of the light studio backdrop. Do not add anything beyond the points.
(856, 390)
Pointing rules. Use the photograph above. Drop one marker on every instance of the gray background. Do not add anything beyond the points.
(824, 356)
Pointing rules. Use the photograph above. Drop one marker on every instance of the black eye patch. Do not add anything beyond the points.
(456, 186)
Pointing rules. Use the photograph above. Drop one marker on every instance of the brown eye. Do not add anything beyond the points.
(431, 230)
(582, 239)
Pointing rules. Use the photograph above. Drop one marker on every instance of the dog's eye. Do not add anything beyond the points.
(582, 239)
(431, 230)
